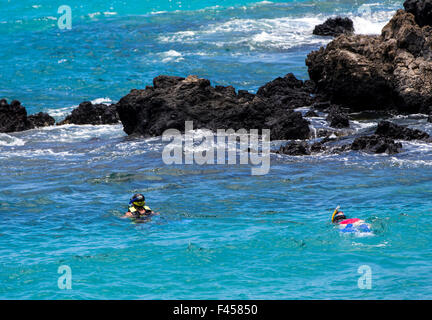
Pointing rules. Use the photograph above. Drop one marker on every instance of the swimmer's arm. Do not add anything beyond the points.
(127, 215)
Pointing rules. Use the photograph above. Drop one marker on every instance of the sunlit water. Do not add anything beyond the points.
(222, 232)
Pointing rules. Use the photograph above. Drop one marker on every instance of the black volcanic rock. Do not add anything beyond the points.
(368, 72)
(295, 148)
(337, 118)
(430, 117)
(13, 117)
(173, 100)
(95, 114)
(287, 92)
(286, 125)
(422, 11)
(376, 144)
(334, 27)
(41, 119)
(390, 130)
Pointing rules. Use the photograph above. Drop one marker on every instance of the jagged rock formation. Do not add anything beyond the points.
(334, 27)
(173, 100)
(389, 71)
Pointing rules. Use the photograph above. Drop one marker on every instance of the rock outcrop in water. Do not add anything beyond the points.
(376, 144)
(95, 114)
(13, 118)
(173, 100)
(334, 27)
(301, 148)
(390, 130)
(390, 71)
(295, 148)
(41, 119)
(421, 9)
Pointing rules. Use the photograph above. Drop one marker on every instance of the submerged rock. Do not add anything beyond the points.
(422, 11)
(173, 100)
(334, 27)
(95, 114)
(376, 144)
(337, 118)
(390, 130)
(390, 71)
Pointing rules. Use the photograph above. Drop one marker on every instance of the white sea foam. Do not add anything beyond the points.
(101, 101)
(280, 33)
(409, 163)
(372, 23)
(171, 56)
(39, 153)
(106, 13)
(7, 140)
(72, 133)
(361, 125)
(94, 14)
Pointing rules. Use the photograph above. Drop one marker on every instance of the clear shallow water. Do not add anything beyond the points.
(222, 233)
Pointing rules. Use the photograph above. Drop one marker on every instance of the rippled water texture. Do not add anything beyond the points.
(222, 232)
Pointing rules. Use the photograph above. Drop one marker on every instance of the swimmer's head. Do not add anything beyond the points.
(339, 216)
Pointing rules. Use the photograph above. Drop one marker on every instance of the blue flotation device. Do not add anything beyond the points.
(350, 228)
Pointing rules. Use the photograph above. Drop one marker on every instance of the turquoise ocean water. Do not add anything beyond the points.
(223, 233)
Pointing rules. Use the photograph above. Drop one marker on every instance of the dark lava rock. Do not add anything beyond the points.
(287, 92)
(376, 144)
(13, 117)
(337, 118)
(302, 148)
(295, 148)
(430, 117)
(334, 27)
(317, 147)
(422, 11)
(88, 113)
(368, 72)
(390, 130)
(173, 100)
(41, 119)
(288, 125)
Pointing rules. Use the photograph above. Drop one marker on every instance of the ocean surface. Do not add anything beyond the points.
(222, 233)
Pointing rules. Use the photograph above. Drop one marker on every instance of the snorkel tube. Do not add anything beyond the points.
(334, 213)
